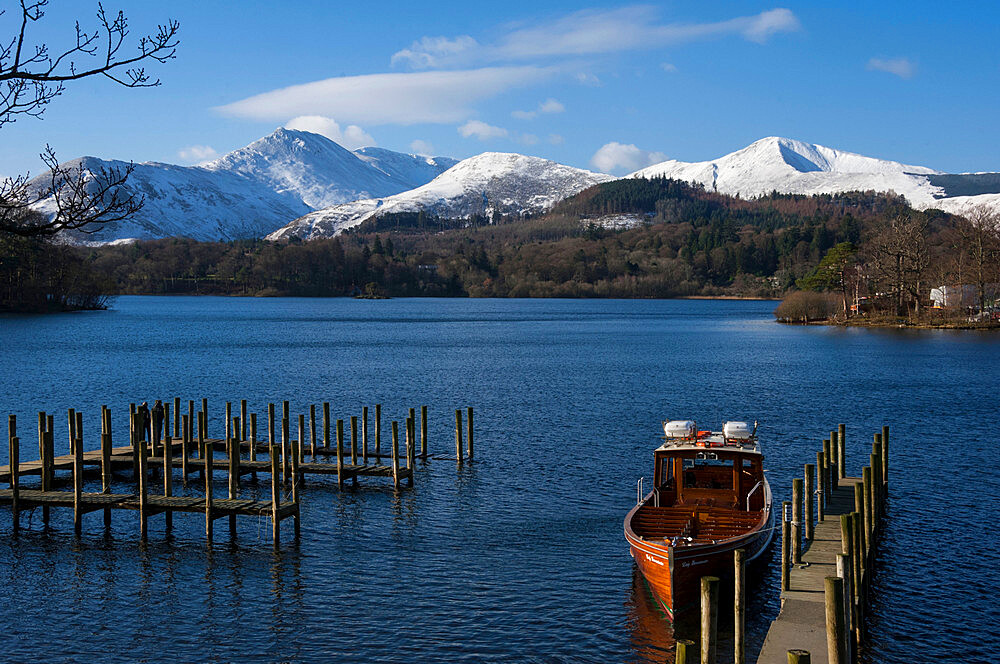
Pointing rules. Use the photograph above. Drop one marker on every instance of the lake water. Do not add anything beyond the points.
(519, 556)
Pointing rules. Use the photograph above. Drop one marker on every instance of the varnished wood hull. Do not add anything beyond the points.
(673, 573)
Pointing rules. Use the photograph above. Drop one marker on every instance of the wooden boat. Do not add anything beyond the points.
(709, 498)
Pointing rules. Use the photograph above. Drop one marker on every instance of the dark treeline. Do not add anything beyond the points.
(687, 241)
(37, 275)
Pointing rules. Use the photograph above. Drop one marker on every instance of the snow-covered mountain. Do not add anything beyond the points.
(789, 166)
(254, 190)
(489, 184)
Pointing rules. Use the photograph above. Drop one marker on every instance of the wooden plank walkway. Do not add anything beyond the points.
(801, 624)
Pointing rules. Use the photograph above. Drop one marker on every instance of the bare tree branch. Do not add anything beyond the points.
(73, 198)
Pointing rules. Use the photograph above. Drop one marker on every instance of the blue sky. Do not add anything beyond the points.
(601, 86)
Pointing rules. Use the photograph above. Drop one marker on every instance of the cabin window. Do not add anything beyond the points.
(707, 471)
(667, 474)
(748, 463)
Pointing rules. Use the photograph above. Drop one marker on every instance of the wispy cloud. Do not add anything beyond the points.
(351, 137)
(550, 105)
(590, 32)
(481, 130)
(197, 154)
(397, 98)
(669, 68)
(422, 147)
(624, 158)
(901, 67)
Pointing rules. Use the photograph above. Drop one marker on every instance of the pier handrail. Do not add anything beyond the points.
(755, 487)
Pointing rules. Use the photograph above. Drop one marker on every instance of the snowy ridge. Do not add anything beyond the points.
(488, 184)
(254, 190)
(791, 166)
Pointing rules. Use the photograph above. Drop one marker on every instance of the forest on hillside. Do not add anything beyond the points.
(654, 238)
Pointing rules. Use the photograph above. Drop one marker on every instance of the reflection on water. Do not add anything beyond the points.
(519, 556)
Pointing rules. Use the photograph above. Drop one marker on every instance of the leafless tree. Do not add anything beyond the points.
(31, 76)
(899, 257)
(979, 234)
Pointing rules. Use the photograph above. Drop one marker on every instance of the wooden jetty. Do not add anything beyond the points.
(825, 582)
(190, 451)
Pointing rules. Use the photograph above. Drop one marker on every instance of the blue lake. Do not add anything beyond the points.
(519, 556)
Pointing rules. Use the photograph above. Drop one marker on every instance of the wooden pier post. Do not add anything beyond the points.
(797, 520)
(191, 420)
(458, 434)
(820, 488)
(15, 471)
(828, 469)
(885, 458)
(834, 603)
(326, 427)
(411, 445)
(271, 443)
(844, 572)
(72, 428)
(378, 433)
(78, 483)
(395, 454)
(810, 472)
(709, 618)
(230, 432)
(185, 445)
(312, 431)
(340, 454)
(354, 440)
(168, 473)
(786, 544)
(684, 651)
(286, 469)
(469, 441)
(834, 455)
(275, 497)
(858, 521)
(423, 432)
(842, 450)
(143, 490)
(209, 455)
(364, 435)
(234, 471)
(300, 444)
(799, 657)
(866, 478)
(202, 452)
(106, 463)
(847, 548)
(243, 420)
(876, 463)
(739, 605)
(297, 457)
(204, 409)
(253, 440)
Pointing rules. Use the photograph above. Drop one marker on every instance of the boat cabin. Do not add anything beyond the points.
(688, 474)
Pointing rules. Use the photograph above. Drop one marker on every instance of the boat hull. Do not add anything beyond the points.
(673, 573)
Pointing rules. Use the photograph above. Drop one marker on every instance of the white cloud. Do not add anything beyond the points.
(352, 137)
(429, 51)
(585, 78)
(669, 68)
(375, 99)
(618, 157)
(550, 105)
(556, 139)
(422, 147)
(901, 67)
(591, 32)
(196, 154)
(527, 139)
(481, 130)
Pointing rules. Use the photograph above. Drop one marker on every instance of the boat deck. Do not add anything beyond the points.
(702, 523)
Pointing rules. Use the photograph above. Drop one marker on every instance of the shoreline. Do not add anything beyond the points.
(901, 324)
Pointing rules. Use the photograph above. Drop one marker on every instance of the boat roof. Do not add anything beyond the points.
(715, 442)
